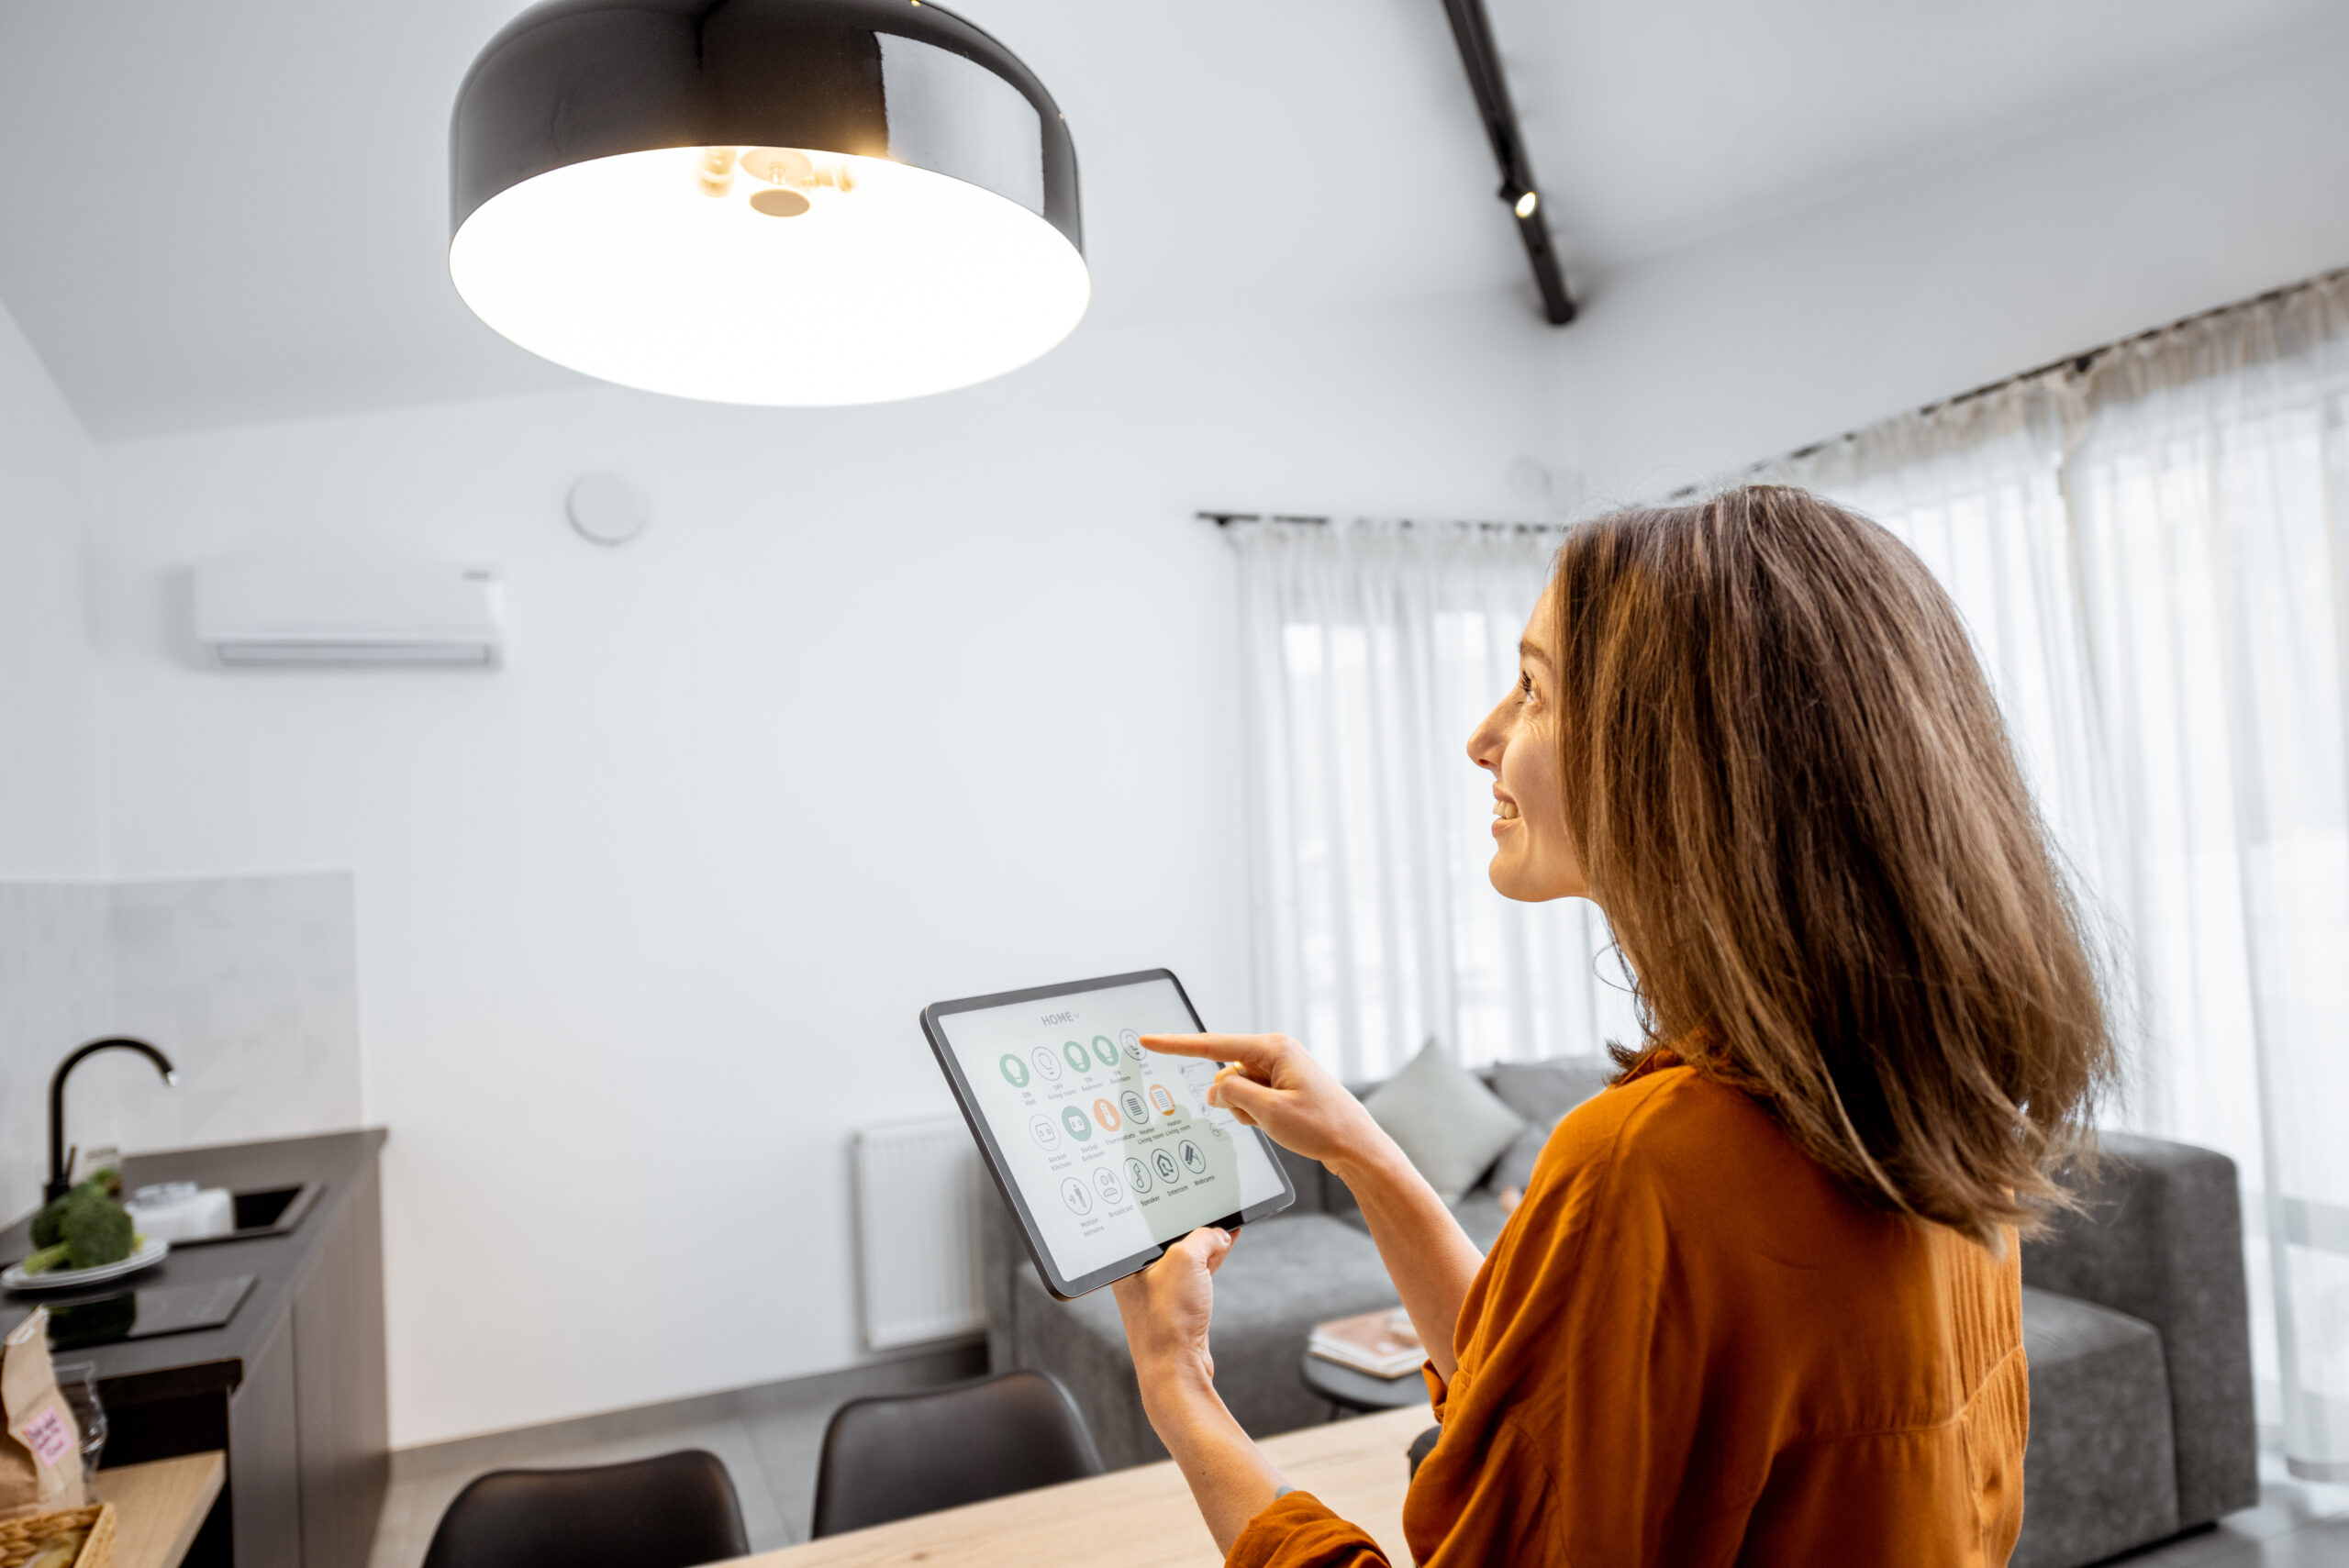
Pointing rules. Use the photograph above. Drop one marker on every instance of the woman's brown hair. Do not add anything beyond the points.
(1792, 793)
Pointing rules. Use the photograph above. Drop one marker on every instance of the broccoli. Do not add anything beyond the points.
(48, 1258)
(48, 1225)
(82, 1229)
(96, 1231)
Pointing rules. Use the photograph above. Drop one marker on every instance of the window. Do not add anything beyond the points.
(1372, 651)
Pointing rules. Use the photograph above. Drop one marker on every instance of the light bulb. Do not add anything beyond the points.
(1527, 203)
(715, 170)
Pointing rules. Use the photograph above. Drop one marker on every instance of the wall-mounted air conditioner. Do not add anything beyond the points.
(280, 614)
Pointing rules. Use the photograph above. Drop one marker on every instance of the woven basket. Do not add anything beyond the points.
(18, 1536)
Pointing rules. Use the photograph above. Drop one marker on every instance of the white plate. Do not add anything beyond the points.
(150, 1251)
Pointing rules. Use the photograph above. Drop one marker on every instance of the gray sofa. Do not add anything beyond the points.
(2134, 1318)
(2138, 1328)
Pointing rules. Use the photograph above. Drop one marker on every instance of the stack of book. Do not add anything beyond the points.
(1383, 1344)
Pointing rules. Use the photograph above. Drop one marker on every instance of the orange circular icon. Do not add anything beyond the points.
(1106, 1114)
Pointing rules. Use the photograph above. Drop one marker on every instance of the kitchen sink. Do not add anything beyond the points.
(264, 1211)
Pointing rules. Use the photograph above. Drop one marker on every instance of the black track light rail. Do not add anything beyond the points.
(1483, 59)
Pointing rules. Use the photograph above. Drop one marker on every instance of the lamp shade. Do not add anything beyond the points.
(764, 201)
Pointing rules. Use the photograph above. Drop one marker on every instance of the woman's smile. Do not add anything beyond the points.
(1503, 812)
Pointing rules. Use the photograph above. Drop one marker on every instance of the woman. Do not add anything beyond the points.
(1760, 1303)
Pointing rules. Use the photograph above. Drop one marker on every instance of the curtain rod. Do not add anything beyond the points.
(2085, 360)
(2076, 364)
(1225, 519)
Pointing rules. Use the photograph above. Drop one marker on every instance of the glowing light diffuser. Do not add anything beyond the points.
(764, 201)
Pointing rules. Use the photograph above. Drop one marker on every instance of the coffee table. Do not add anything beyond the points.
(1358, 1391)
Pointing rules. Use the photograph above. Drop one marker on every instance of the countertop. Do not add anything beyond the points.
(207, 1360)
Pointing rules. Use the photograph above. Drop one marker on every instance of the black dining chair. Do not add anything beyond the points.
(676, 1511)
(895, 1455)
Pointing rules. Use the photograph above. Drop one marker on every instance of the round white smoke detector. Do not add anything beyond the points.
(606, 509)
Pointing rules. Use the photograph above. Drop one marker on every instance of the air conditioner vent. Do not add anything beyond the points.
(288, 613)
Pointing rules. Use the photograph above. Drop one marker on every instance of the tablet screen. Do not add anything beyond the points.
(1114, 1148)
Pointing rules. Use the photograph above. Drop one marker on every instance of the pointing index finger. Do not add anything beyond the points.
(1251, 1051)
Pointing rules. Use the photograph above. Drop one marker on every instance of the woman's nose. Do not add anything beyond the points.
(1482, 750)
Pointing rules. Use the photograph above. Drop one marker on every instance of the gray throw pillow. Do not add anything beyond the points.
(1449, 1125)
(1542, 1093)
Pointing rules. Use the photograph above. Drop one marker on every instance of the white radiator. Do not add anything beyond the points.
(918, 1188)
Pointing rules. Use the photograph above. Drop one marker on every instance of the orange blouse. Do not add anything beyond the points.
(1691, 1345)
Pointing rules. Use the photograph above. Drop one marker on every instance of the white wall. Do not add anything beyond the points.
(250, 983)
(1690, 364)
(888, 704)
(49, 758)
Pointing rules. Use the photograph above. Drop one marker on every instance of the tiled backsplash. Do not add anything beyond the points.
(248, 984)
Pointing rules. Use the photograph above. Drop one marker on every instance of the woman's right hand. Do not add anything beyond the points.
(1274, 1085)
(1272, 1082)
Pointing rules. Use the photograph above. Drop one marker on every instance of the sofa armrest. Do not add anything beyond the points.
(1002, 1253)
(2161, 1240)
(1312, 1182)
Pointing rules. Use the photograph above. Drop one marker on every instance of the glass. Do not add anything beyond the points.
(98, 1157)
(78, 1382)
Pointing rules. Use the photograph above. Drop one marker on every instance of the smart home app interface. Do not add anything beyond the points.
(1114, 1147)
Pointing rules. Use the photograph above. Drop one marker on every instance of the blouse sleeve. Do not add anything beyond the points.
(1501, 1521)
(1295, 1532)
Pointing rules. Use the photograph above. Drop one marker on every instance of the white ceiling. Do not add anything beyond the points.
(228, 212)
(1655, 123)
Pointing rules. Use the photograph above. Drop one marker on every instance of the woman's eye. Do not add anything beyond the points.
(1525, 683)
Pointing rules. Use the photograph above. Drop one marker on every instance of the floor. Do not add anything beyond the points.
(2298, 1524)
(770, 1449)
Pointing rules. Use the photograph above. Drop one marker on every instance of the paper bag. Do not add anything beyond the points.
(40, 1457)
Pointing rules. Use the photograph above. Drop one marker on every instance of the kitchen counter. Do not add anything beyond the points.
(292, 1387)
(139, 1371)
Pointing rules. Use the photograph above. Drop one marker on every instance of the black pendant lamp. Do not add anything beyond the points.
(764, 201)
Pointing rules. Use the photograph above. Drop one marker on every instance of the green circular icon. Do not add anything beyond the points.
(1015, 1071)
(1106, 1049)
(1076, 1056)
(1079, 1126)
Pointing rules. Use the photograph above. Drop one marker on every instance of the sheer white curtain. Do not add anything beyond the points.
(1370, 651)
(1976, 490)
(2154, 558)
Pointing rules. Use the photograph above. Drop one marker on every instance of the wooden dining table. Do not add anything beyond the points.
(1141, 1517)
(159, 1505)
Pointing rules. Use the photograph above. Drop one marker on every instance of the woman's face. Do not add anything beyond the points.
(1517, 743)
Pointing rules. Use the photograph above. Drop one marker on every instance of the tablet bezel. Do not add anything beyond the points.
(1063, 1288)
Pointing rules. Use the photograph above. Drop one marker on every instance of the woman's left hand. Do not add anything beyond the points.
(1166, 1308)
(1167, 1305)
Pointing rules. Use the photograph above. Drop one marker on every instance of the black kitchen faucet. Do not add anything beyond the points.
(59, 1160)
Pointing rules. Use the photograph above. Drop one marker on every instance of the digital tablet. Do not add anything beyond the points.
(1105, 1152)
